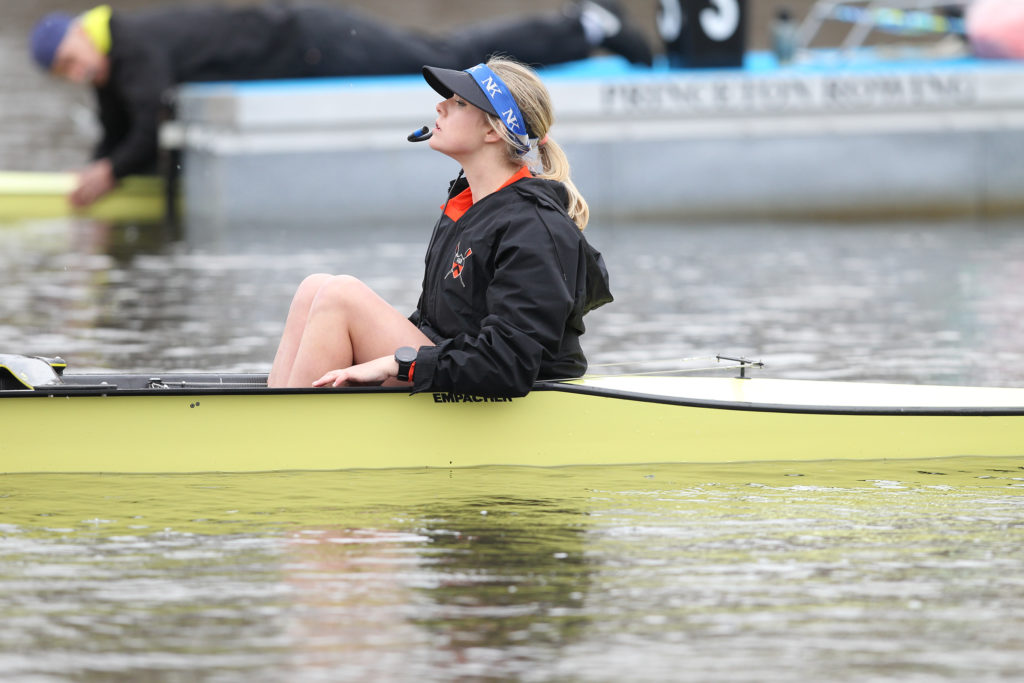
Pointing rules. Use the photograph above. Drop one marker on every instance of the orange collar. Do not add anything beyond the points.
(460, 203)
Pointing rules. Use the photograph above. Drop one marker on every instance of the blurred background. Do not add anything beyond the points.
(46, 125)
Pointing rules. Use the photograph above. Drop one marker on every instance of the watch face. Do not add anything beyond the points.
(405, 354)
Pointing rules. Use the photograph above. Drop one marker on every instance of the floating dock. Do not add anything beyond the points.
(844, 136)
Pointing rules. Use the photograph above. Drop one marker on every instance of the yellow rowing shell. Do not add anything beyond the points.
(27, 195)
(600, 421)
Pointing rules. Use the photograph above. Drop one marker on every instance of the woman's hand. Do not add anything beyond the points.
(369, 374)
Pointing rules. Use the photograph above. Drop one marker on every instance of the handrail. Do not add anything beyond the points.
(828, 10)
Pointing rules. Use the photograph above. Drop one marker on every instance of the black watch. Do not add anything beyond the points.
(405, 356)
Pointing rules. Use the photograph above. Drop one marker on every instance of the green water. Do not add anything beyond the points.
(820, 571)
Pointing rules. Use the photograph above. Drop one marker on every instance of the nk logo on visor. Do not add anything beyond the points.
(502, 101)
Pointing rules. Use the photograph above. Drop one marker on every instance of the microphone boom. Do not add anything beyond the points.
(420, 134)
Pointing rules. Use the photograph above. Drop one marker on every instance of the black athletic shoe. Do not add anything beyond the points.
(628, 41)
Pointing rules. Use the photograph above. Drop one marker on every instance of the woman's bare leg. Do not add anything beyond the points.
(345, 323)
(294, 325)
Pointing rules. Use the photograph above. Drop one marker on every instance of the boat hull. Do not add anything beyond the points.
(28, 195)
(556, 425)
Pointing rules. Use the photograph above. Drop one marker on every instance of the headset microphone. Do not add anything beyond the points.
(420, 135)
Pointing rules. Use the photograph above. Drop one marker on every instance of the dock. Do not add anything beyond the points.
(840, 137)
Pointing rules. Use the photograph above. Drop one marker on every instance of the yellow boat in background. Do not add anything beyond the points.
(26, 195)
(233, 423)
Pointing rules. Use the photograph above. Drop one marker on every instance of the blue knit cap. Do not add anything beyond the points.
(46, 37)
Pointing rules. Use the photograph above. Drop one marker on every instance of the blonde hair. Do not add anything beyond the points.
(535, 104)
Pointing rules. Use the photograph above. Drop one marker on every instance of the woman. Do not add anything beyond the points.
(508, 274)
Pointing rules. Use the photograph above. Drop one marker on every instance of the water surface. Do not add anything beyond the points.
(909, 302)
(849, 572)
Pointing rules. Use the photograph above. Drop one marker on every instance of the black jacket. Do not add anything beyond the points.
(152, 50)
(504, 293)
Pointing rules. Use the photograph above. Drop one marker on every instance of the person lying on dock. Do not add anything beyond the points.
(508, 277)
(133, 58)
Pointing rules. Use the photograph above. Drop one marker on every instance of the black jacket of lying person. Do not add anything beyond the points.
(132, 59)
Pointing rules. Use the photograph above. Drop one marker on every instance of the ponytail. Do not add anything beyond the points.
(556, 167)
(535, 104)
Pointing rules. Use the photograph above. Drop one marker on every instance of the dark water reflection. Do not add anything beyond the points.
(935, 302)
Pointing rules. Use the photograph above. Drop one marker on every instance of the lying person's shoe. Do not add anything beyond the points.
(606, 26)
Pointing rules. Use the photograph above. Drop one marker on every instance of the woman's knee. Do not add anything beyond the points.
(341, 291)
(311, 284)
(307, 290)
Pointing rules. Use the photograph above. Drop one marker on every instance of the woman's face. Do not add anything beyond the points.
(460, 128)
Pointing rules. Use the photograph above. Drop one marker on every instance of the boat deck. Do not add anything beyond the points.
(758, 393)
(817, 394)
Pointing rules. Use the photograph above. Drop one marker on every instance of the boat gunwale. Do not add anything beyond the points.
(803, 409)
(251, 388)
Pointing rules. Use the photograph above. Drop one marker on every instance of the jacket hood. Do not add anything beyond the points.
(552, 194)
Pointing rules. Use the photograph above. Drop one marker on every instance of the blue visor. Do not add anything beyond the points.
(501, 99)
(483, 88)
